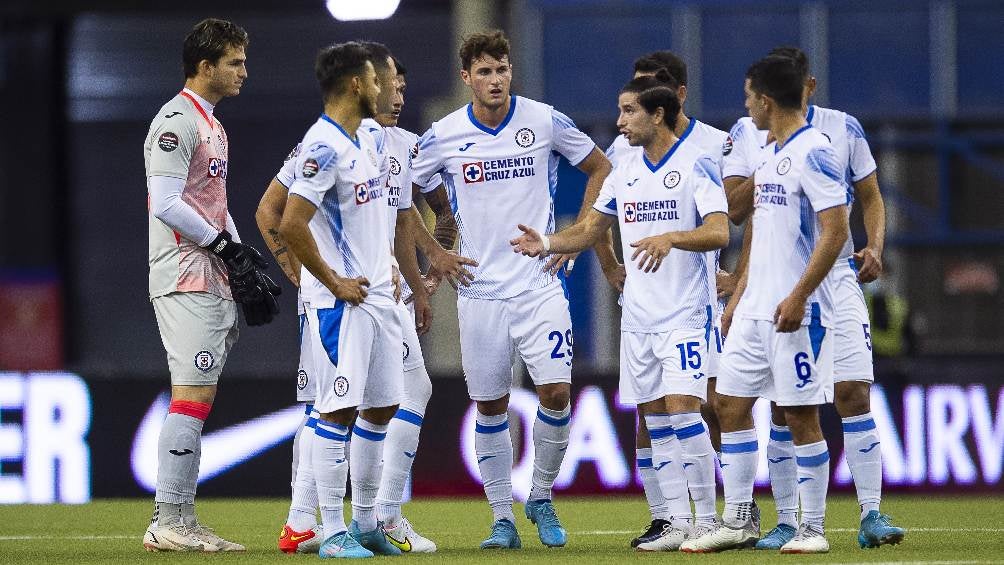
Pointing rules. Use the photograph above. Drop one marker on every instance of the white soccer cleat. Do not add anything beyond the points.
(210, 537)
(723, 538)
(807, 540)
(174, 537)
(404, 537)
(669, 539)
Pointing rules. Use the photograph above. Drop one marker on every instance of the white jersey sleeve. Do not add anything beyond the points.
(862, 163)
(606, 202)
(568, 140)
(426, 159)
(740, 150)
(822, 181)
(709, 194)
(287, 173)
(316, 172)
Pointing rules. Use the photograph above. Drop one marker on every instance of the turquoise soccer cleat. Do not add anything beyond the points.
(375, 541)
(877, 530)
(780, 535)
(342, 546)
(503, 536)
(541, 513)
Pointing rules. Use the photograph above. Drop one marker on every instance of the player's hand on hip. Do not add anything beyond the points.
(789, 314)
(869, 263)
(616, 276)
(352, 291)
(423, 313)
(530, 243)
(452, 267)
(651, 251)
(725, 282)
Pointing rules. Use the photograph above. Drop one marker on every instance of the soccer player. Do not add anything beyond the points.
(669, 506)
(671, 208)
(498, 157)
(336, 223)
(779, 346)
(852, 365)
(198, 269)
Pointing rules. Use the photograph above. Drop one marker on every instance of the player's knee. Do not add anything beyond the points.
(803, 421)
(493, 407)
(852, 398)
(777, 415)
(419, 390)
(554, 396)
(205, 394)
(379, 416)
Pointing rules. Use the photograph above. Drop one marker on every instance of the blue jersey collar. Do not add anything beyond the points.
(655, 167)
(355, 141)
(505, 122)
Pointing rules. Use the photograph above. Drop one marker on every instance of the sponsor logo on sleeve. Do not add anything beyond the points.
(310, 168)
(168, 141)
(727, 146)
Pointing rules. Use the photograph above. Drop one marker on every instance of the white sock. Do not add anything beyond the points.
(550, 439)
(365, 468)
(303, 509)
(864, 457)
(653, 493)
(667, 460)
(783, 474)
(296, 442)
(739, 462)
(493, 447)
(813, 480)
(328, 456)
(698, 463)
(398, 456)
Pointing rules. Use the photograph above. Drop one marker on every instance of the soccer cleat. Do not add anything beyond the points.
(374, 540)
(877, 529)
(404, 537)
(807, 540)
(669, 539)
(653, 532)
(780, 535)
(703, 528)
(209, 536)
(724, 537)
(342, 546)
(503, 536)
(292, 541)
(175, 536)
(541, 513)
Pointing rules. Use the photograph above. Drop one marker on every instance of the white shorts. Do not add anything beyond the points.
(306, 391)
(357, 356)
(792, 369)
(656, 365)
(852, 344)
(715, 344)
(535, 324)
(413, 358)
(198, 330)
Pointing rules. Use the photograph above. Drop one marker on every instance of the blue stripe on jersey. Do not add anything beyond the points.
(505, 122)
(816, 330)
(778, 147)
(303, 320)
(561, 121)
(330, 322)
(355, 141)
(612, 205)
(854, 128)
(409, 416)
(333, 213)
(807, 229)
(810, 114)
(709, 323)
(708, 168)
(823, 160)
(672, 149)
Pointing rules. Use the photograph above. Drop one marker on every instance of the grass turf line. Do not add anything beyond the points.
(110, 531)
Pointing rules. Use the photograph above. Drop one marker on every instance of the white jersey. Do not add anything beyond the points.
(498, 178)
(648, 199)
(793, 184)
(346, 179)
(854, 157)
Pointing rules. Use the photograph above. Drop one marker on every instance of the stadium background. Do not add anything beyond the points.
(82, 369)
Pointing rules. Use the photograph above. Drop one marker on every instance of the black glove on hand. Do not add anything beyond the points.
(254, 290)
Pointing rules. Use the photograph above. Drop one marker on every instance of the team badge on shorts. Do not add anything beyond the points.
(784, 166)
(204, 361)
(301, 379)
(341, 386)
(167, 142)
(407, 350)
(671, 179)
(395, 166)
(525, 137)
(310, 168)
(727, 146)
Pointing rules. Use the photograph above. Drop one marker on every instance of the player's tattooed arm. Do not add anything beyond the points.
(445, 230)
(443, 263)
(404, 251)
(739, 193)
(268, 216)
(869, 259)
(572, 239)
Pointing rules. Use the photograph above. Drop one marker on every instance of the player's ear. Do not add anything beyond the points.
(659, 115)
(681, 93)
(465, 76)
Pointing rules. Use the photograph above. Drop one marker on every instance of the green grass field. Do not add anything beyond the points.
(942, 530)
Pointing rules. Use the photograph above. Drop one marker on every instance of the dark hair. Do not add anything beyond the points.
(401, 70)
(655, 92)
(208, 41)
(379, 53)
(668, 60)
(492, 43)
(795, 54)
(779, 78)
(336, 63)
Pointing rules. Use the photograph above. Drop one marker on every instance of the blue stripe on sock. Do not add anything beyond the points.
(409, 416)
(307, 408)
(494, 429)
(367, 434)
(862, 426)
(813, 461)
(556, 422)
(311, 423)
(744, 447)
(780, 435)
(324, 432)
(645, 463)
(660, 433)
(690, 431)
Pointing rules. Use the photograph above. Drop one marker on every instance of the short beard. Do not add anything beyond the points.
(366, 108)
